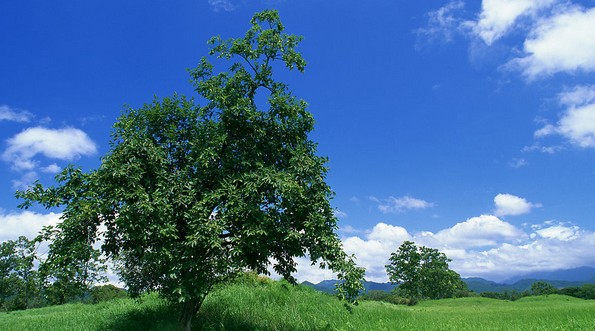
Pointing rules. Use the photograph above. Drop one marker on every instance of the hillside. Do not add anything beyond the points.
(280, 306)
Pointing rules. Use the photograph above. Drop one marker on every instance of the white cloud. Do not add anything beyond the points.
(61, 144)
(395, 205)
(578, 96)
(543, 149)
(25, 181)
(26, 224)
(389, 233)
(9, 114)
(482, 231)
(222, 5)
(51, 169)
(518, 163)
(577, 123)
(339, 214)
(348, 229)
(561, 43)
(443, 22)
(483, 246)
(498, 17)
(508, 204)
(559, 232)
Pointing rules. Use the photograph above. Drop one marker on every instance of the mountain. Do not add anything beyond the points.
(582, 274)
(559, 278)
(328, 286)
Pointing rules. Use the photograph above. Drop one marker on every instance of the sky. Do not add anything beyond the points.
(466, 126)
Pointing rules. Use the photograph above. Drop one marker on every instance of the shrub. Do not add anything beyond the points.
(106, 293)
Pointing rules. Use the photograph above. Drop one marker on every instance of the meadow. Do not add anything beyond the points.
(269, 305)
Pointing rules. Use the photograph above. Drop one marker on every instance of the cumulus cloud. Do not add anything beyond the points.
(498, 17)
(62, 144)
(396, 205)
(577, 122)
(560, 43)
(508, 204)
(481, 231)
(13, 115)
(26, 223)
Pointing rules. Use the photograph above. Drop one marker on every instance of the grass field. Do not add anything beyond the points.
(278, 306)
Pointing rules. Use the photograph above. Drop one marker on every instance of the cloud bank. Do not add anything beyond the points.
(26, 223)
(483, 246)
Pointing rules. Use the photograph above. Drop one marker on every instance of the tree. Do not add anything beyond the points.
(72, 266)
(190, 195)
(543, 288)
(19, 281)
(106, 293)
(423, 272)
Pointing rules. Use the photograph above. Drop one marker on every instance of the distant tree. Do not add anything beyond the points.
(383, 296)
(72, 266)
(423, 272)
(506, 295)
(586, 291)
(107, 292)
(543, 288)
(19, 281)
(190, 196)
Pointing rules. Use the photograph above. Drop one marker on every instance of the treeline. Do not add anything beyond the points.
(30, 281)
(400, 297)
(586, 291)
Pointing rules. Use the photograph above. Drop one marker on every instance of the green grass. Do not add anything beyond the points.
(278, 306)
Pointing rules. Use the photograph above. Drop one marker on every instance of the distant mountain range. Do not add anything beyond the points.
(558, 278)
(582, 274)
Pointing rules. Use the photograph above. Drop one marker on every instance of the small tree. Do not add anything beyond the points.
(190, 196)
(423, 272)
(543, 288)
(72, 266)
(19, 281)
(106, 293)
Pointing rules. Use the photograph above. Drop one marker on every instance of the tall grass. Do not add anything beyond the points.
(267, 305)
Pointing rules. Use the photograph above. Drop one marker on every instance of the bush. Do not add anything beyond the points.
(251, 278)
(543, 288)
(382, 296)
(506, 295)
(106, 293)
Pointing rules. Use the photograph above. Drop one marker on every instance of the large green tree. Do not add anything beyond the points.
(189, 195)
(423, 272)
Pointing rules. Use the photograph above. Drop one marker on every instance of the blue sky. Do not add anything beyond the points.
(463, 125)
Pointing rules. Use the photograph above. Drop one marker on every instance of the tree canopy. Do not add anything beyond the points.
(190, 195)
(423, 272)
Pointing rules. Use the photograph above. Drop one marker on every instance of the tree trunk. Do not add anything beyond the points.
(188, 310)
